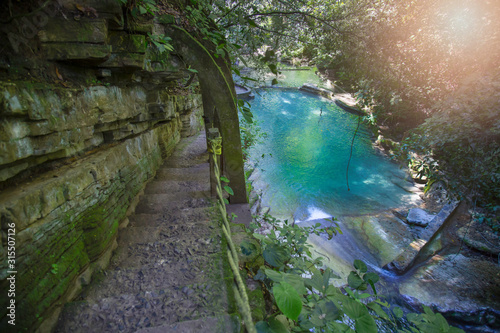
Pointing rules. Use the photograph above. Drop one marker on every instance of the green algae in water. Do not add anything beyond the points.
(305, 159)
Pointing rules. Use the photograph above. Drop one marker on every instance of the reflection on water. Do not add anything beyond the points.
(306, 156)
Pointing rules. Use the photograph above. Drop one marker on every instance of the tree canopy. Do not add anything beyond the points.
(427, 70)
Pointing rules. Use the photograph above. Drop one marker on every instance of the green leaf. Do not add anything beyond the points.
(378, 310)
(249, 79)
(360, 266)
(340, 327)
(364, 322)
(370, 276)
(316, 282)
(228, 190)
(294, 280)
(247, 117)
(355, 282)
(275, 255)
(275, 81)
(252, 23)
(224, 179)
(288, 300)
(273, 68)
(324, 311)
(398, 312)
(271, 326)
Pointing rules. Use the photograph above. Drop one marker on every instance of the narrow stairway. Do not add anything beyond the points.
(168, 273)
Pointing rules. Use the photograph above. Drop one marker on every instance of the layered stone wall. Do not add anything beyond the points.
(67, 218)
(84, 124)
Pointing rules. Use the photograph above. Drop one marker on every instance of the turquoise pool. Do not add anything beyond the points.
(306, 153)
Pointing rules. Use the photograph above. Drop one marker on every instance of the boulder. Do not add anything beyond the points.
(480, 237)
(419, 217)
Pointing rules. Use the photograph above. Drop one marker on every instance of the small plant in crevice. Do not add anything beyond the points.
(140, 7)
(161, 42)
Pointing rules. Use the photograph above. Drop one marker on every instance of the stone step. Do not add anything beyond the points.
(169, 272)
(129, 313)
(186, 162)
(172, 186)
(162, 274)
(172, 217)
(218, 324)
(191, 146)
(182, 248)
(165, 203)
(199, 173)
(133, 234)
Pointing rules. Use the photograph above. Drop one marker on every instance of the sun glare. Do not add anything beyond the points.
(462, 21)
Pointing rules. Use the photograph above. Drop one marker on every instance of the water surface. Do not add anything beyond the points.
(306, 154)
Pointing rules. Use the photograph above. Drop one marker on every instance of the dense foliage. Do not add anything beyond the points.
(430, 72)
(307, 301)
(427, 70)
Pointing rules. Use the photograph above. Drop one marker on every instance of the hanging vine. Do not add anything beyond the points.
(350, 154)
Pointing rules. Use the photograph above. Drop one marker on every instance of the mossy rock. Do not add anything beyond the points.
(249, 250)
(257, 304)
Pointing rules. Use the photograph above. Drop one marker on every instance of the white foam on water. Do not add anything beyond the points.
(317, 214)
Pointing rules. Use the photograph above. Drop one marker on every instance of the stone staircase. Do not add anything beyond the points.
(169, 272)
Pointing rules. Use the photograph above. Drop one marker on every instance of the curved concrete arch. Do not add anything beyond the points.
(220, 111)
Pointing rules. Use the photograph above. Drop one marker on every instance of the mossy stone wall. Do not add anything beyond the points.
(68, 217)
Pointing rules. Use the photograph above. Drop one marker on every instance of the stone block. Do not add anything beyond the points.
(167, 19)
(70, 51)
(82, 31)
(11, 104)
(100, 6)
(117, 60)
(104, 73)
(140, 26)
(420, 217)
(127, 43)
(42, 145)
(13, 129)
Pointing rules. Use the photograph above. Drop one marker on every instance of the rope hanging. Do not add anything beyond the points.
(350, 155)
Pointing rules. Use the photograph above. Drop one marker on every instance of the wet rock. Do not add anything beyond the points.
(426, 244)
(462, 287)
(419, 217)
(384, 234)
(480, 237)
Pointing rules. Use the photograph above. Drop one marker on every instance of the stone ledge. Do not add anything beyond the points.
(82, 31)
(67, 51)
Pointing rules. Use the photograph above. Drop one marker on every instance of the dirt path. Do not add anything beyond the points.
(167, 274)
